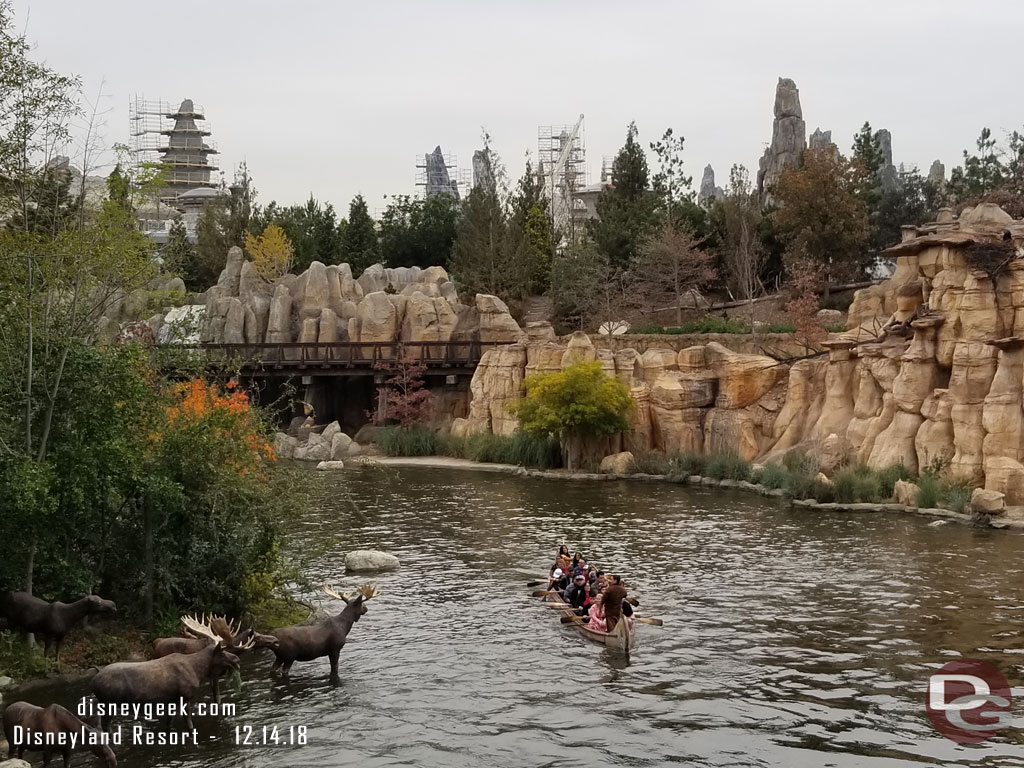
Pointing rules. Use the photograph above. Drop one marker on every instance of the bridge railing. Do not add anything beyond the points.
(342, 354)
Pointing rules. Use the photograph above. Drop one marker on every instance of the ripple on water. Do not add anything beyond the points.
(790, 638)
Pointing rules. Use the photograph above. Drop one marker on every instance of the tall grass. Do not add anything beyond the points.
(407, 441)
(956, 495)
(519, 449)
(727, 466)
(771, 476)
(928, 491)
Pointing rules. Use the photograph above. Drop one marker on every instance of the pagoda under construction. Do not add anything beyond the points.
(178, 140)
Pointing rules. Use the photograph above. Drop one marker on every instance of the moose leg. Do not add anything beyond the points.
(215, 684)
(188, 718)
(333, 656)
(287, 668)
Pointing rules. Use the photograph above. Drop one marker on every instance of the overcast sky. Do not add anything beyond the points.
(337, 98)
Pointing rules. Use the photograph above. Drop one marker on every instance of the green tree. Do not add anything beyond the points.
(576, 404)
(531, 233)
(981, 173)
(418, 232)
(213, 240)
(480, 260)
(627, 208)
(178, 252)
(821, 217)
(359, 246)
(119, 190)
(312, 228)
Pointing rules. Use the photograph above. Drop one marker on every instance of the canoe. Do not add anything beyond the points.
(619, 639)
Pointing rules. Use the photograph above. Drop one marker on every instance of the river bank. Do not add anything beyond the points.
(1013, 519)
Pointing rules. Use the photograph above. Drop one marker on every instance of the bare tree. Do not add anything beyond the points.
(743, 256)
(672, 267)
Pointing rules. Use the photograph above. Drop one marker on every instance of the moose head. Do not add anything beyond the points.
(223, 659)
(359, 597)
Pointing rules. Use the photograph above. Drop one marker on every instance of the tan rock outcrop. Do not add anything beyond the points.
(617, 464)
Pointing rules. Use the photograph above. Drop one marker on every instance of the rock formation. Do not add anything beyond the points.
(888, 178)
(929, 373)
(937, 174)
(708, 191)
(788, 139)
(326, 304)
(820, 140)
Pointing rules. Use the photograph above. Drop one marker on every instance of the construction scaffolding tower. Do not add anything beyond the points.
(438, 174)
(178, 139)
(562, 156)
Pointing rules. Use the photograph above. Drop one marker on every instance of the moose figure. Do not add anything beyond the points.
(235, 639)
(52, 621)
(47, 725)
(169, 678)
(305, 643)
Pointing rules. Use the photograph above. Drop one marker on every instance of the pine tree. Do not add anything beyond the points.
(480, 259)
(626, 209)
(212, 245)
(530, 223)
(359, 246)
(178, 252)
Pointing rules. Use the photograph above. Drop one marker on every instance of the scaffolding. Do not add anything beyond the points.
(176, 138)
(562, 157)
(438, 174)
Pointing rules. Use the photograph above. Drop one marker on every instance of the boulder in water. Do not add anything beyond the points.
(370, 560)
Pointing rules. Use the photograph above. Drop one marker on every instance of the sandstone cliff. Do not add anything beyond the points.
(930, 371)
(327, 304)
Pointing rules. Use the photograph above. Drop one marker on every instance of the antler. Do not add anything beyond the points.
(200, 628)
(329, 591)
(220, 625)
(368, 591)
(247, 644)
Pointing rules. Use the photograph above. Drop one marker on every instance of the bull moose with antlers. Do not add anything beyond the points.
(169, 678)
(306, 643)
(52, 621)
(231, 634)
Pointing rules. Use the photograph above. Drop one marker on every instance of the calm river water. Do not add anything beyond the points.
(790, 638)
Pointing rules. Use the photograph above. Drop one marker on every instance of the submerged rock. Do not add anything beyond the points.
(370, 560)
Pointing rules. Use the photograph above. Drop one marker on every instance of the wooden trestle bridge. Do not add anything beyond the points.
(342, 358)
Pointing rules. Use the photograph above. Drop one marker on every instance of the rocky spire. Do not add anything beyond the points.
(937, 174)
(708, 191)
(789, 139)
(820, 139)
(887, 176)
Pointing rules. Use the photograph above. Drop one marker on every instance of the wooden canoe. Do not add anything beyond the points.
(619, 639)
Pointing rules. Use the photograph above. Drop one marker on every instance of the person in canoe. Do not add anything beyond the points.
(562, 559)
(614, 600)
(560, 580)
(577, 595)
(597, 619)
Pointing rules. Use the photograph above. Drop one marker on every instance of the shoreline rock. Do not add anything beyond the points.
(360, 560)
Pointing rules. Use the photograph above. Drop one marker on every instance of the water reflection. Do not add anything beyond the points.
(790, 638)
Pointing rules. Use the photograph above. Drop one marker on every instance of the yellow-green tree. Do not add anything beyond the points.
(576, 404)
(272, 253)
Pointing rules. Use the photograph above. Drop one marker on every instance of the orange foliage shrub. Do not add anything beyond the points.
(199, 406)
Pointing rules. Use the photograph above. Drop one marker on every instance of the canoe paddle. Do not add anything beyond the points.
(642, 620)
(537, 583)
